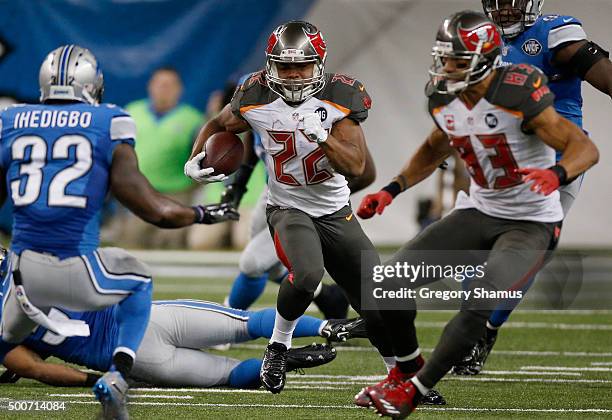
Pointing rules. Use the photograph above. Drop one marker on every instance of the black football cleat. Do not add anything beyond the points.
(332, 302)
(273, 367)
(433, 397)
(310, 356)
(340, 330)
(473, 363)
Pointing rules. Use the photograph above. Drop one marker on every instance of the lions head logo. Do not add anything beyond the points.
(532, 47)
(486, 34)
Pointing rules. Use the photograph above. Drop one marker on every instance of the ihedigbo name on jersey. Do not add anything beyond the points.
(445, 295)
(52, 119)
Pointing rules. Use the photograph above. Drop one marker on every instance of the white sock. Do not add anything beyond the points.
(422, 388)
(411, 356)
(491, 327)
(389, 362)
(323, 325)
(283, 330)
(317, 290)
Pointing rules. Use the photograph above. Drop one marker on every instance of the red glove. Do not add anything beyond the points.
(545, 181)
(374, 203)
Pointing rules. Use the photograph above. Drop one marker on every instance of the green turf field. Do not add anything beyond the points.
(548, 365)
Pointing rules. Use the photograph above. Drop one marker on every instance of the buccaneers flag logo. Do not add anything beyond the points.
(318, 43)
(486, 34)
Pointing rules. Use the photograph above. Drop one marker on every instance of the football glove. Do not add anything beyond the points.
(544, 181)
(374, 203)
(215, 213)
(232, 195)
(193, 170)
(313, 128)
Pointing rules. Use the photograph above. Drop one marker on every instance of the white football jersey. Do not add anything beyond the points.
(299, 174)
(493, 145)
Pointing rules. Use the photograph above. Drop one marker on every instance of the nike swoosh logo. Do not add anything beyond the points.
(349, 217)
(567, 20)
(537, 83)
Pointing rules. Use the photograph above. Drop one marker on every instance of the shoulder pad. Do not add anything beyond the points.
(113, 109)
(435, 99)
(564, 29)
(522, 88)
(348, 93)
(254, 91)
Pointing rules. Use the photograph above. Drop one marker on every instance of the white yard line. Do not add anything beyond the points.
(351, 407)
(428, 350)
(151, 396)
(566, 368)
(601, 363)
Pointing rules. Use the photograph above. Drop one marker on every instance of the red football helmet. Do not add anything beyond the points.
(296, 42)
(468, 36)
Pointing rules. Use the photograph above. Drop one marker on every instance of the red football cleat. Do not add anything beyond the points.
(395, 376)
(397, 401)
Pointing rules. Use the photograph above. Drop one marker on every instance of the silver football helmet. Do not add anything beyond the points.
(513, 16)
(296, 42)
(71, 73)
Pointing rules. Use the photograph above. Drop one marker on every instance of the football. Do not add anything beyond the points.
(224, 152)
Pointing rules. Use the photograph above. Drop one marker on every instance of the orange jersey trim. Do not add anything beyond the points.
(517, 114)
(437, 110)
(250, 107)
(342, 109)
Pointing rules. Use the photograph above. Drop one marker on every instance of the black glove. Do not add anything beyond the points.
(233, 195)
(215, 213)
(9, 377)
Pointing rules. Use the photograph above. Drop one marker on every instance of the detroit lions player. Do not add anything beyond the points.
(557, 45)
(59, 160)
(170, 352)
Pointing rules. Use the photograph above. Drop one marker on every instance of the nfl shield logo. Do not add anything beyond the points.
(532, 47)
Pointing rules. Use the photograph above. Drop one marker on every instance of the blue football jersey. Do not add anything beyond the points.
(94, 352)
(536, 46)
(57, 160)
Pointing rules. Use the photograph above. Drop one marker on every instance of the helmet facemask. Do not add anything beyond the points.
(295, 90)
(513, 19)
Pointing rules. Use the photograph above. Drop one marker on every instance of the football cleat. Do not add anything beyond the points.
(397, 401)
(273, 367)
(310, 356)
(340, 330)
(111, 390)
(332, 302)
(473, 363)
(395, 376)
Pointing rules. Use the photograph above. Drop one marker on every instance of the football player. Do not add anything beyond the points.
(258, 261)
(59, 160)
(505, 128)
(310, 127)
(557, 45)
(170, 353)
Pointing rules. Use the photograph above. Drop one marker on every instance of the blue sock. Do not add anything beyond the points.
(246, 374)
(499, 316)
(246, 290)
(5, 348)
(261, 324)
(133, 316)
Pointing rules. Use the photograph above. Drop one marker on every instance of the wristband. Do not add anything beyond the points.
(561, 174)
(393, 188)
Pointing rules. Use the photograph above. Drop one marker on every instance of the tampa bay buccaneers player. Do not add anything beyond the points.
(505, 128)
(309, 122)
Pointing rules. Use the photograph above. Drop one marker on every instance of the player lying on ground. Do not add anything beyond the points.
(506, 130)
(60, 158)
(171, 351)
(557, 45)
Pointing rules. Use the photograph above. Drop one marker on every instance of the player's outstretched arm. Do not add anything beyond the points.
(135, 192)
(423, 163)
(28, 364)
(579, 152)
(589, 61)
